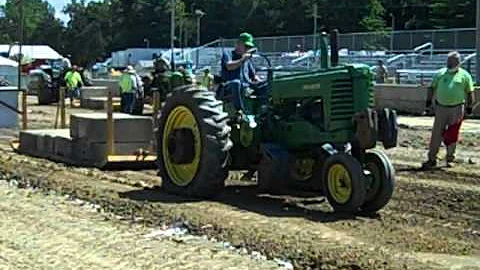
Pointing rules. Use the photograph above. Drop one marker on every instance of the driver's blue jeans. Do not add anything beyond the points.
(237, 90)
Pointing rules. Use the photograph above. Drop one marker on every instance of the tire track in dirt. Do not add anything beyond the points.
(307, 243)
(402, 236)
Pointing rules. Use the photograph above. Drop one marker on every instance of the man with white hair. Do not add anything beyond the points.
(453, 89)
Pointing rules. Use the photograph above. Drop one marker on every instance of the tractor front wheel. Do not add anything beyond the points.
(381, 176)
(193, 143)
(344, 183)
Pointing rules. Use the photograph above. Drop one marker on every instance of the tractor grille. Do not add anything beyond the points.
(342, 100)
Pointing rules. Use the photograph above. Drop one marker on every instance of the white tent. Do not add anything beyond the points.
(8, 70)
(43, 52)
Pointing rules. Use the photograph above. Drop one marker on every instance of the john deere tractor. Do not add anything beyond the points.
(317, 130)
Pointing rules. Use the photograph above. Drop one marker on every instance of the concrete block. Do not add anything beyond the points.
(99, 103)
(62, 147)
(409, 98)
(127, 128)
(95, 154)
(80, 152)
(28, 141)
(403, 98)
(41, 143)
(93, 91)
(111, 84)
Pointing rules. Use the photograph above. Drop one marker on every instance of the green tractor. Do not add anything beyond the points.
(317, 130)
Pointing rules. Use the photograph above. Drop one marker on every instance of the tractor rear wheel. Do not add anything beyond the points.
(382, 181)
(193, 142)
(344, 183)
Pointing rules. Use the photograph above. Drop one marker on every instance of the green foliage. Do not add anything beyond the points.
(97, 28)
(452, 13)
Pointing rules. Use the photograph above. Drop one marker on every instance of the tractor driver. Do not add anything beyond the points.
(238, 72)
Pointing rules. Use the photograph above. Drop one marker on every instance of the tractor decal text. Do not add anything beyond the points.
(315, 86)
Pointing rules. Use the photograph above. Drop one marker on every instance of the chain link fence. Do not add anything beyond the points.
(462, 39)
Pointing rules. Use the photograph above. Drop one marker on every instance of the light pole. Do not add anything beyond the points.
(315, 17)
(199, 13)
(20, 43)
(172, 34)
(147, 42)
(477, 62)
(393, 32)
(20, 58)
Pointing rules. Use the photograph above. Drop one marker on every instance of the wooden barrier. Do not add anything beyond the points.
(110, 126)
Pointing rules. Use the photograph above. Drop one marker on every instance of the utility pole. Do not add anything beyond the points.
(20, 43)
(392, 38)
(477, 62)
(315, 16)
(199, 15)
(172, 34)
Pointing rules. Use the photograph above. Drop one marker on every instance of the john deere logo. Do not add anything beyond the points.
(315, 86)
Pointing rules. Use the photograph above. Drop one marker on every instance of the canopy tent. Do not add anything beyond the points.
(35, 52)
(8, 70)
(7, 62)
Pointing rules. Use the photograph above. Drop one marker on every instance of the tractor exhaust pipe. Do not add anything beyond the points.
(324, 51)
(334, 48)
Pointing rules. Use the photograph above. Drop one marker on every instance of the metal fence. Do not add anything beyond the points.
(445, 39)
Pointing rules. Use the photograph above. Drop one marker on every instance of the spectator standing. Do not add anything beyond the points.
(381, 74)
(207, 79)
(126, 88)
(73, 80)
(453, 89)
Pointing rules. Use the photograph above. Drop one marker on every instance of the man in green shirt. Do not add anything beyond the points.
(453, 91)
(131, 88)
(207, 79)
(74, 81)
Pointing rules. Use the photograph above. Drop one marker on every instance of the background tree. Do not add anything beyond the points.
(99, 27)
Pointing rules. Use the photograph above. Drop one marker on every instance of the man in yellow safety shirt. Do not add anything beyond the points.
(131, 89)
(207, 79)
(453, 91)
(74, 81)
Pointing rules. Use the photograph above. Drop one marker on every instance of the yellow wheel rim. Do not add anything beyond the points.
(339, 183)
(181, 174)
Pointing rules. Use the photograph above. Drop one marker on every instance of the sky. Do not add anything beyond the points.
(58, 5)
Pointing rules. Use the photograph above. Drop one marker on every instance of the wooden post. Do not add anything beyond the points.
(156, 103)
(110, 126)
(63, 123)
(24, 109)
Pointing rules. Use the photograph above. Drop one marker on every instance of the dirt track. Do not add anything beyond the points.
(433, 221)
(41, 231)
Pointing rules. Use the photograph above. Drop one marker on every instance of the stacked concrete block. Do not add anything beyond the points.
(111, 84)
(89, 131)
(43, 143)
(403, 98)
(100, 103)
(89, 92)
(127, 128)
(85, 143)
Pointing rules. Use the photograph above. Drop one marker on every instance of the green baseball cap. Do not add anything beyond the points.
(247, 39)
